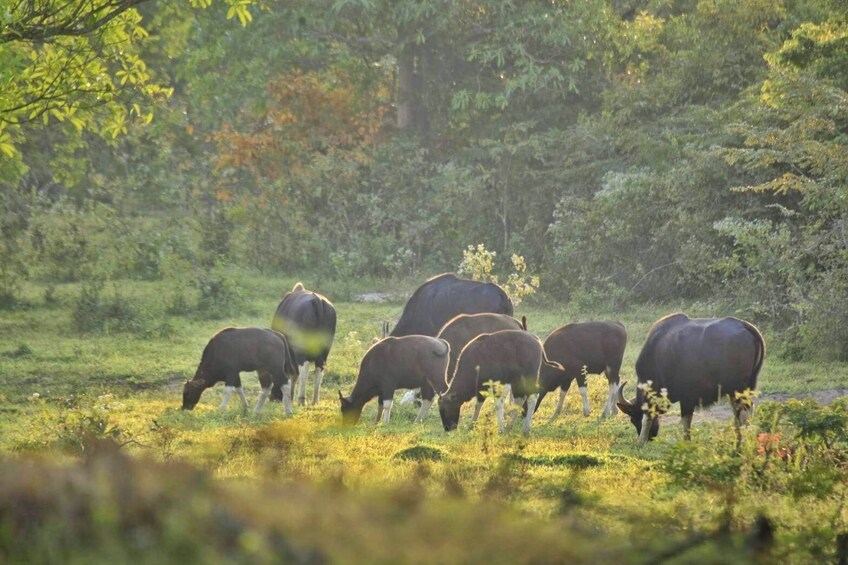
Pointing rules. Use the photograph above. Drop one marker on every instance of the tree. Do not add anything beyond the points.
(77, 63)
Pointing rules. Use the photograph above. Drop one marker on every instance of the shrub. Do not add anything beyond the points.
(219, 294)
(478, 264)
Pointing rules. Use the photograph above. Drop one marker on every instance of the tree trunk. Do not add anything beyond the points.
(406, 88)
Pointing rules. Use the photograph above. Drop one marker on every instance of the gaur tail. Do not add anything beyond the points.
(549, 363)
(524, 322)
(761, 351)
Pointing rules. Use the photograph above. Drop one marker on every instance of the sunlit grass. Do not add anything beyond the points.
(583, 467)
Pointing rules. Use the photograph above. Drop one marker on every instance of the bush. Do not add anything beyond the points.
(92, 313)
(219, 294)
(479, 263)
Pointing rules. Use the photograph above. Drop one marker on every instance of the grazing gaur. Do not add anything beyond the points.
(696, 361)
(308, 320)
(444, 296)
(233, 350)
(414, 361)
(585, 348)
(511, 357)
(465, 327)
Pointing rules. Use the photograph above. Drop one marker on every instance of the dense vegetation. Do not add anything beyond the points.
(168, 167)
(631, 150)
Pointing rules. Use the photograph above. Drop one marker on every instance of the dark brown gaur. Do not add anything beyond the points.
(442, 297)
(414, 361)
(695, 361)
(510, 357)
(465, 327)
(585, 348)
(308, 320)
(233, 350)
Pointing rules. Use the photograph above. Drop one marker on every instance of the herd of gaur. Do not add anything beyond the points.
(456, 337)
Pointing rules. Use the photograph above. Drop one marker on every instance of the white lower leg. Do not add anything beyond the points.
(531, 408)
(228, 390)
(287, 398)
(499, 408)
(302, 373)
(387, 411)
(319, 376)
(559, 405)
(584, 394)
(645, 434)
(610, 408)
(507, 393)
(263, 396)
(243, 398)
(422, 413)
(477, 408)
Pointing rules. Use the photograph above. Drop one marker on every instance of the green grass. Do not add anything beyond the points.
(590, 471)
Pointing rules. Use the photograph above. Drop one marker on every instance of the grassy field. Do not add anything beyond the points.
(578, 487)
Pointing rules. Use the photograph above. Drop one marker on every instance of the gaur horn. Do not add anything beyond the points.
(341, 397)
(621, 398)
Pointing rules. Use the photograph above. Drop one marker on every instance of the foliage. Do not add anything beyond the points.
(478, 264)
(78, 64)
(632, 151)
(220, 296)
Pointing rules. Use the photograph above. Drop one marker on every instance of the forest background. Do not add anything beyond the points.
(632, 151)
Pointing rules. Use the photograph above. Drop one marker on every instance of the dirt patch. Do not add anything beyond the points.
(723, 412)
(373, 297)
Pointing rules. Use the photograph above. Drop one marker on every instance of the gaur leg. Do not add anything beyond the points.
(477, 407)
(231, 382)
(584, 392)
(281, 382)
(610, 408)
(228, 390)
(562, 392)
(387, 395)
(507, 393)
(240, 391)
(265, 380)
(319, 376)
(287, 398)
(302, 373)
(427, 394)
(387, 410)
(499, 410)
(379, 409)
(645, 434)
(542, 394)
(531, 408)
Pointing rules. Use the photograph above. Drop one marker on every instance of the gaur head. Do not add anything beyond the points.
(449, 406)
(191, 393)
(633, 408)
(350, 413)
